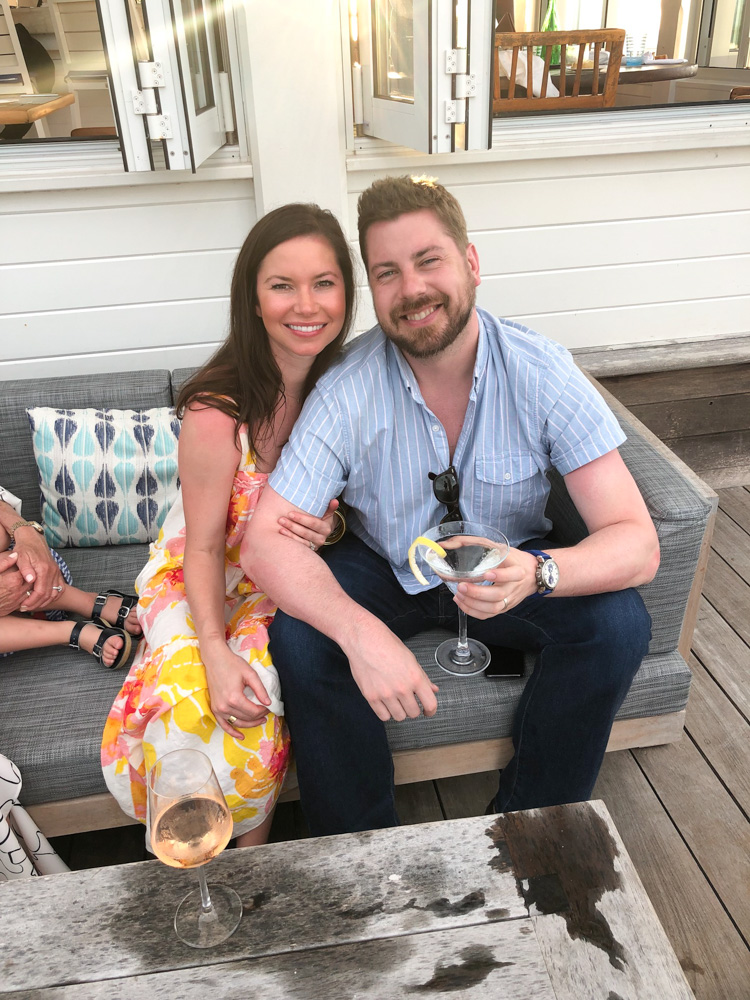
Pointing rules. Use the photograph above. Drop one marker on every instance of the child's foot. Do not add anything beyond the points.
(109, 614)
(89, 634)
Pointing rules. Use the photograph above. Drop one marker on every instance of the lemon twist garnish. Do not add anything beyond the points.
(429, 544)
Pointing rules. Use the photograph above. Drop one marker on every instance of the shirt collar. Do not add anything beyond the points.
(409, 379)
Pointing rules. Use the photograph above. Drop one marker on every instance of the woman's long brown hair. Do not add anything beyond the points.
(242, 379)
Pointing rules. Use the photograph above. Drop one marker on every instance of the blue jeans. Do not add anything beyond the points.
(588, 651)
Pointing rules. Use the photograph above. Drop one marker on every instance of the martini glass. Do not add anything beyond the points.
(471, 549)
(190, 823)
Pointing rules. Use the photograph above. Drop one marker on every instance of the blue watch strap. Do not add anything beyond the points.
(544, 555)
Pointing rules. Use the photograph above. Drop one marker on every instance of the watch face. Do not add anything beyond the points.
(550, 574)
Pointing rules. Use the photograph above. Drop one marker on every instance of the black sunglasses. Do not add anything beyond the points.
(445, 488)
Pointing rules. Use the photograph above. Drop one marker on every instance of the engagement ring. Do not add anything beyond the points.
(312, 546)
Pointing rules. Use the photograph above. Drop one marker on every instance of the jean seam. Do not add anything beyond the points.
(535, 678)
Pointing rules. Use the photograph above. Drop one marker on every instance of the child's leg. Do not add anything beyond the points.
(17, 633)
(81, 602)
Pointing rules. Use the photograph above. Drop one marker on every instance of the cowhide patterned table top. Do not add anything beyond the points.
(543, 904)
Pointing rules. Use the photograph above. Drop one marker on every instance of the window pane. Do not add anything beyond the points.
(727, 38)
(197, 47)
(393, 34)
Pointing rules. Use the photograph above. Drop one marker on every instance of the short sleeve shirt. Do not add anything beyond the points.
(366, 433)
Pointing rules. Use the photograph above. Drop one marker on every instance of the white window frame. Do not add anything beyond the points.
(631, 129)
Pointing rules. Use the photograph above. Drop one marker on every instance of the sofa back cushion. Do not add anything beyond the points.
(139, 390)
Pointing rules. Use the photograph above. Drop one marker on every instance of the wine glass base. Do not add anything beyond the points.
(199, 929)
(475, 663)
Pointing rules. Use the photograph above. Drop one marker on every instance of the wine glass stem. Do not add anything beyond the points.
(206, 903)
(462, 646)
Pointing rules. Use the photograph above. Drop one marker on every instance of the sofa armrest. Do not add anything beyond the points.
(682, 508)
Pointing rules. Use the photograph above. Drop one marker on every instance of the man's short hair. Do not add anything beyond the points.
(390, 197)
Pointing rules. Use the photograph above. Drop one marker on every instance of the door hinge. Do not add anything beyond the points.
(151, 77)
(465, 86)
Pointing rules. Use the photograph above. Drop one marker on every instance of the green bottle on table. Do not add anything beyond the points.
(550, 23)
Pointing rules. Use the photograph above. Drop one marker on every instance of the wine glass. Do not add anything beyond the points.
(471, 549)
(190, 823)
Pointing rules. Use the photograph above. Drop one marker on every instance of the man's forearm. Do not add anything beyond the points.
(277, 565)
(613, 558)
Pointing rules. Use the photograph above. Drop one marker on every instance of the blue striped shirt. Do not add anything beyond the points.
(366, 432)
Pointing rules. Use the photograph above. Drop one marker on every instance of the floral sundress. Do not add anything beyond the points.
(164, 703)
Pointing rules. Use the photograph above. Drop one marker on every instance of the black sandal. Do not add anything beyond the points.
(107, 632)
(128, 602)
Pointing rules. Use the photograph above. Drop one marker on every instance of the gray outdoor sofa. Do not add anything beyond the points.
(53, 702)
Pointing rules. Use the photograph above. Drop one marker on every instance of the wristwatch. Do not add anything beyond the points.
(547, 572)
(23, 523)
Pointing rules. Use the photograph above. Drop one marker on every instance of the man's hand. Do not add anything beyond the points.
(512, 582)
(388, 675)
(38, 569)
(12, 586)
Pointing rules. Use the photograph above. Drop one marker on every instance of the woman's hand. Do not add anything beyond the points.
(313, 531)
(38, 568)
(12, 585)
(228, 675)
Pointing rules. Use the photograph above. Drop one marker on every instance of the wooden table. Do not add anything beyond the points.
(543, 904)
(21, 112)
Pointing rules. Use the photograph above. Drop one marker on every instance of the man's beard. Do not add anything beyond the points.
(428, 341)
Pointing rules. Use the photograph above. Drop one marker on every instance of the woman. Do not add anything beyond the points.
(202, 676)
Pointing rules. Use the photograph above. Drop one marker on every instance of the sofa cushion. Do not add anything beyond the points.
(141, 390)
(54, 701)
(108, 477)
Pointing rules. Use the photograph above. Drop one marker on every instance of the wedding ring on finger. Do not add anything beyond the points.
(312, 546)
(506, 602)
(58, 589)
(231, 719)
(28, 593)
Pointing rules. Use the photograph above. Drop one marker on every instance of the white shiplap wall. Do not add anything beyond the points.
(117, 278)
(602, 250)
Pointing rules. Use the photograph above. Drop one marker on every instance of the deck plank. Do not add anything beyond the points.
(709, 820)
(467, 794)
(721, 732)
(727, 591)
(713, 957)
(735, 501)
(731, 542)
(724, 655)
(418, 803)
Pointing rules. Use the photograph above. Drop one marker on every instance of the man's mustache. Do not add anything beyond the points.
(407, 306)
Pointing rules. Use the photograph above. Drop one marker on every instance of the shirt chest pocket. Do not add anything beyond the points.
(506, 470)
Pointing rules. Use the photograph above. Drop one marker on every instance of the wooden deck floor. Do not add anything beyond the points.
(682, 810)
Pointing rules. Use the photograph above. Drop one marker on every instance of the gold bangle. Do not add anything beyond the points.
(338, 532)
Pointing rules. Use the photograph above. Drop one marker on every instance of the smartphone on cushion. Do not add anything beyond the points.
(505, 662)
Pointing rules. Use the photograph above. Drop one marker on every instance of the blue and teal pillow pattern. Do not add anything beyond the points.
(108, 477)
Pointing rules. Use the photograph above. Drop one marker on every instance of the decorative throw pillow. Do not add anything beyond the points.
(108, 477)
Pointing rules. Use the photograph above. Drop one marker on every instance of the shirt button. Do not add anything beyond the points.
(436, 427)
(507, 475)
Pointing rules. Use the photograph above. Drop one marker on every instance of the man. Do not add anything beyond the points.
(442, 386)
